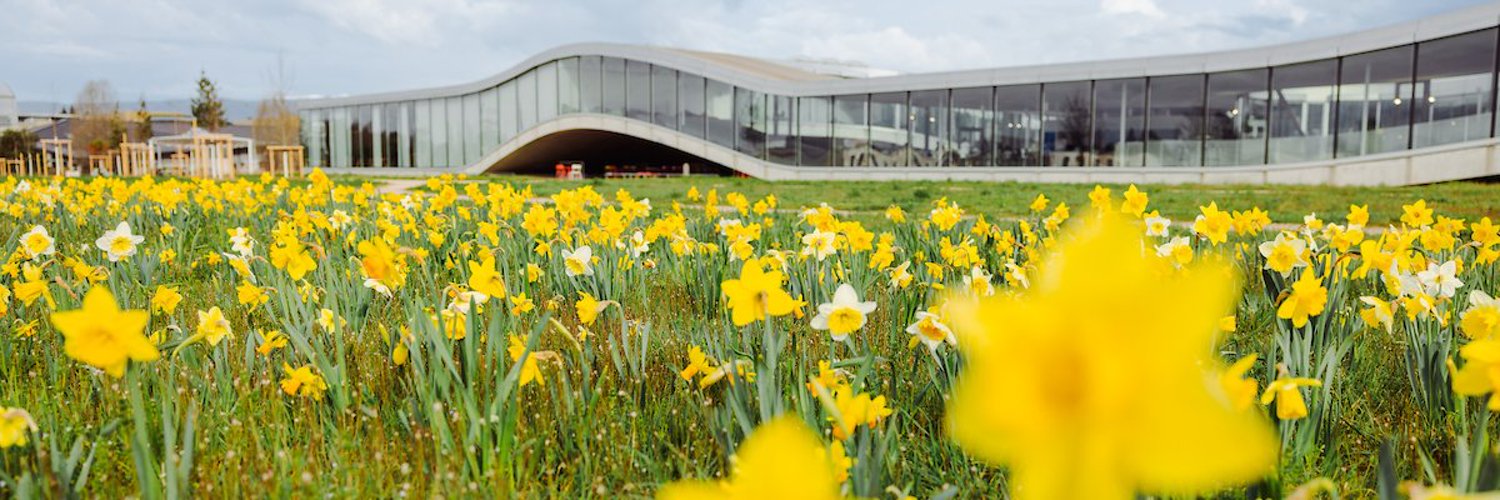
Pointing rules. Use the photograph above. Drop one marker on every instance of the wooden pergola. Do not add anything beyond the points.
(286, 159)
(136, 158)
(54, 162)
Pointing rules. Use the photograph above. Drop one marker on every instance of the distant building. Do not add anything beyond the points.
(9, 111)
(1404, 104)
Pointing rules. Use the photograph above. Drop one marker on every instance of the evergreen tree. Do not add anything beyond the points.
(207, 108)
(143, 130)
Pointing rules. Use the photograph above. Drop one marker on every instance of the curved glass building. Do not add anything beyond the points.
(1405, 104)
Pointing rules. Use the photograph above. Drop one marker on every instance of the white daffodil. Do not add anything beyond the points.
(463, 301)
(37, 242)
(930, 331)
(241, 242)
(1440, 280)
(845, 315)
(819, 244)
(1157, 225)
(1285, 253)
(578, 262)
(638, 244)
(119, 243)
(1016, 275)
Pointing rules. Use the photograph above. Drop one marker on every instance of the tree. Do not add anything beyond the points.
(143, 130)
(275, 124)
(97, 126)
(15, 143)
(207, 108)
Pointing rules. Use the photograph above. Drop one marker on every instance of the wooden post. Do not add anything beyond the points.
(286, 159)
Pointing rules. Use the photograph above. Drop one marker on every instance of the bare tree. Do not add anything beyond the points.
(97, 126)
(275, 124)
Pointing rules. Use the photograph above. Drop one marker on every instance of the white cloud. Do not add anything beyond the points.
(1146, 8)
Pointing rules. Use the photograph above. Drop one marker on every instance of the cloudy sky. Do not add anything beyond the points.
(155, 48)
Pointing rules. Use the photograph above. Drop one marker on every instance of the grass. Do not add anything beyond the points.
(1468, 200)
(614, 417)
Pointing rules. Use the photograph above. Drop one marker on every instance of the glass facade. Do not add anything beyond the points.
(1430, 93)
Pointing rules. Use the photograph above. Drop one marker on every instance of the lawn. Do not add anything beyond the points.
(267, 338)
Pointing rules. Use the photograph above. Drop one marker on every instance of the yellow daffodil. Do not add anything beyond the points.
(1307, 299)
(1112, 390)
(102, 335)
(165, 299)
(780, 459)
(1288, 397)
(16, 427)
(303, 382)
(756, 294)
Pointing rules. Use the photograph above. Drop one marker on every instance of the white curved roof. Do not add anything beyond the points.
(5, 91)
(775, 78)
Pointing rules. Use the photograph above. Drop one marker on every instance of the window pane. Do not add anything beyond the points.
(813, 121)
(929, 127)
(423, 134)
(720, 101)
(690, 100)
(362, 136)
(546, 92)
(1018, 125)
(439, 133)
(638, 90)
(404, 135)
(1235, 119)
(851, 130)
(510, 110)
(973, 126)
(1302, 111)
(373, 131)
(1374, 102)
(1065, 124)
(526, 99)
(614, 86)
(1176, 122)
(750, 122)
(489, 112)
(888, 118)
(338, 137)
(664, 96)
(473, 133)
(1453, 89)
(567, 86)
(590, 84)
(456, 132)
(1119, 123)
(781, 136)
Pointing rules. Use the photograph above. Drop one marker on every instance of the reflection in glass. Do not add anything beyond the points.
(781, 133)
(1119, 123)
(439, 134)
(456, 133)
(1302, 111)
(489, 113)
(929, 127)
(690, 105)
(638, 90)
(567, 86)
(750, 122)
(1454, 89)
(851, 130)
(338, 137)
(525, 96)
(1018, 125)
(888, 136)
(720, 102)
(401, 137)
(664, 96)
(614, 86)
(1235, 118)
(546, 92)
(1374, 113)
(510, 111)
(1175, 135)
(472, 132)
(973, 126)
(590, 84)
(423, 134)
(1065, 124)
(814, 119)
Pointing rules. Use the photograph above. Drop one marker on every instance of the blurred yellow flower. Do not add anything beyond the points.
(102, 335)
(165, 299)
(1081, 376)
(302, 382)
(780, 459)
(16, 427)
(213, 327)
